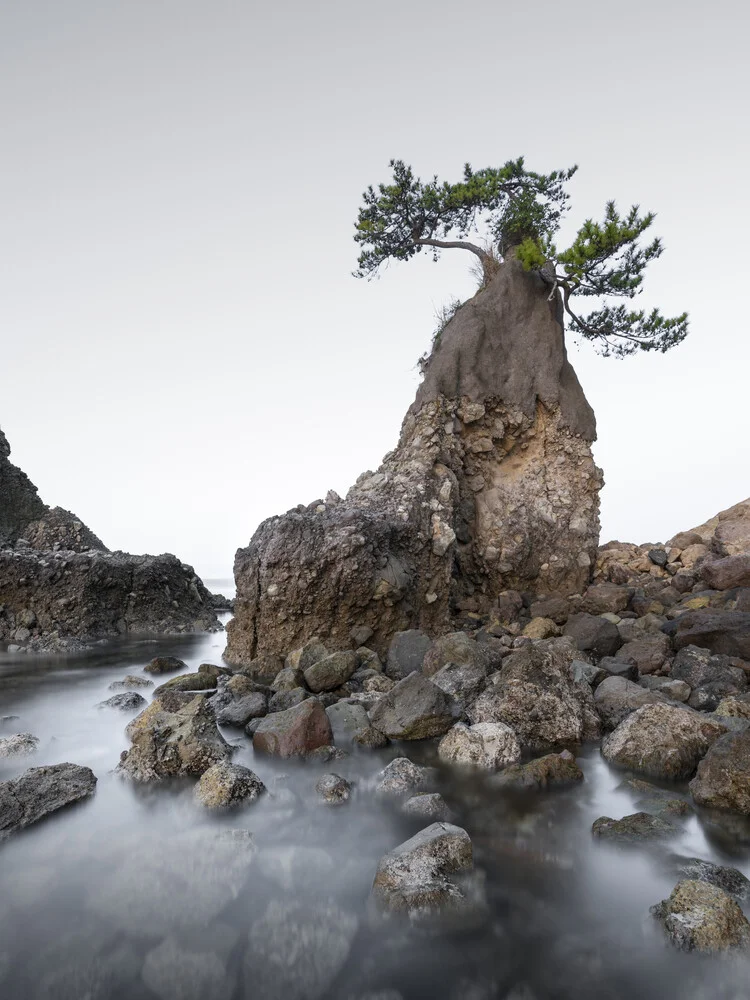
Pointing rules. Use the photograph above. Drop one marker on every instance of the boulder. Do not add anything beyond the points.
(282, 701)
(541, 628)
(673, 689)
(698, 916)
(492, 486)
(225, 785)
(606, 597)
(648, 654)
(697, 667)
(723, 777)
(457, 647)
(295, 732)
(536, 696)
(727, 573)
(726, 632)
(18, 745)
(403, 778)
(126, 701)
(636, 828)
(663, 741)
(131, 681)
(461, 682)
(350, 723)
(616, 698)
(415, 877)
(555, 609)
(296, 950)
(40, 791)
(306, 655)
(489, 745)
(333, 789)
(734, 707)
(406, 653)
(264, 669)
(729, 879)
(555, 770)
(240, 711)
(427, 806)
(414, 709)
(188, 682)
(165, 665)
(593, 634)
(331, 671)
(613, 666)
(176, 735)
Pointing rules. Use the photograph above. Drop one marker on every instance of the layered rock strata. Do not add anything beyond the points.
(491, 486)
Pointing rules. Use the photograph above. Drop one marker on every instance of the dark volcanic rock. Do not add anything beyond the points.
(20, 504)
(41, 791)
(126, 701)
(414, 709)
(593, 634)
(165, 665)
(492, 486)
(725, 632)
(637, 827)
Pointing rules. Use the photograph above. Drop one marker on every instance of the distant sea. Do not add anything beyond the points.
(223, 586)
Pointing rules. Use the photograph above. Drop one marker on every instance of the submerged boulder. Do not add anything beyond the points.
(492, 486)
(554, 770)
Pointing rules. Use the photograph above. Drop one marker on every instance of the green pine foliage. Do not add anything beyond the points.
(522, 211)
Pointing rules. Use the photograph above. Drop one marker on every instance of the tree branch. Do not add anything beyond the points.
(450, 244)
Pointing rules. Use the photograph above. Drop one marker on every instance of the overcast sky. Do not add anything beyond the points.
(184, 351)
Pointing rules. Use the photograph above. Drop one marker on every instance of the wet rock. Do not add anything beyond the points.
(554, 770)
(457, 647)
(187, 682)
(461, 682)
(175, 735)
(192, 964)
(238, 713)
(414, 709)
(282, 701)
(673, 689)
(18, 745)
(698, 916)
(729, 879)
(616, 698)
(225, 785)
(725, 632)
(489, 745)
(402, 778)
(593, 634)
(406, 653)
(415, 878)
(184, 880)
(127, 701)
(723, 777)
(640, 826)
(648, 654)
(663, 741)
(306, 655)
(295, 951)
(41, 791)
(294, 732)
(131, 681)
(536, 696)
(429, 806)
(324, 755)
(165, 665)
(333, 789)
(331, 671)
(263, 669)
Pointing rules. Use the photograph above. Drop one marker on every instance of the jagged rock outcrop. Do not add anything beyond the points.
(60, 587)
(492, 486)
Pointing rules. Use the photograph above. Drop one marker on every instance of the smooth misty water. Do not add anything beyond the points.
(86, 895)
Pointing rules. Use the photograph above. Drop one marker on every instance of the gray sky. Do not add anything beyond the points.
(184, 351)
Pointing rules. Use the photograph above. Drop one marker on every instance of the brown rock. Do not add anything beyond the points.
(723, 777)
(702, 917)
(295, 732)
(720, 631)
(724, 574)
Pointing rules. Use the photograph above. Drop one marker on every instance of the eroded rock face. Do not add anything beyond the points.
(492, 486)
